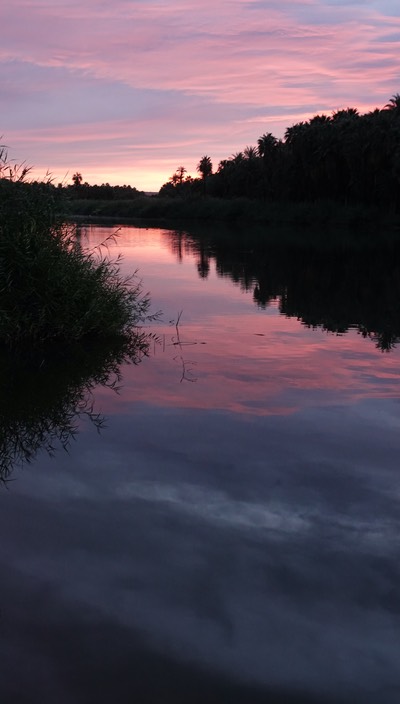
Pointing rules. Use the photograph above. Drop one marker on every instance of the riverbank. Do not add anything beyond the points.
(54, 294)
(234, 210)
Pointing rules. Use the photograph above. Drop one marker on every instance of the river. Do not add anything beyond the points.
(232, 533)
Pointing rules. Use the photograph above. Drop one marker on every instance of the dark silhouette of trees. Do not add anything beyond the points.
(204, 167)
(268, 150)
(394, 104)
(178, 184)
(77, 179)
(178, 176)
(345, 157)
(105, 191)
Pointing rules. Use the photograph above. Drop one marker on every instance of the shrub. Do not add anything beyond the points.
(52, 292)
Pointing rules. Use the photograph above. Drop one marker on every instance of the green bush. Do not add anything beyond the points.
(51, 290)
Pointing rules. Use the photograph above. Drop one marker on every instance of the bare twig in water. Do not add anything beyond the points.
(186, 371)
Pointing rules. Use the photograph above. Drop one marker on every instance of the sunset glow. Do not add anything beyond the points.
(243, 359)
(126, 92)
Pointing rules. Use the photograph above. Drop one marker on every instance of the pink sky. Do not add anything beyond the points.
(126, 91)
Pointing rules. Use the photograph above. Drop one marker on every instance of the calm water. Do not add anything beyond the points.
(232, 535)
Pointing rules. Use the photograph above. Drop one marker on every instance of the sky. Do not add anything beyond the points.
(126, 91)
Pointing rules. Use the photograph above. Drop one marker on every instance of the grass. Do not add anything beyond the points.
(53, 293)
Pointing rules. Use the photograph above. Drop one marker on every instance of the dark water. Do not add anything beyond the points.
(232, 534)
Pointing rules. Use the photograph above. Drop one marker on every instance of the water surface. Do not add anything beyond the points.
(232, 535)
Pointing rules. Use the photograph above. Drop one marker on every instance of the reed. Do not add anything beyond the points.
(52, 291)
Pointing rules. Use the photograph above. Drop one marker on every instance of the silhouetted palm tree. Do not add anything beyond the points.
(346, 114)
(345, 157)
(204, 167)
(180, 172)
(237, 158)
(394, 103)
(250, 153)
(266, 145)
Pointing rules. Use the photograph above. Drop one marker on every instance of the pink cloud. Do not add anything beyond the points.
(236, 62)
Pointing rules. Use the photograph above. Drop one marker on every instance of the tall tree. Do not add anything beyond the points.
(267, 150)
(266, 145)
(250, 153)
(180, 172)
(394, 104)
(205, 167)
(77, 179)
(177, 177)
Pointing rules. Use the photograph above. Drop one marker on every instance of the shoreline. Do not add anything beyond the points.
(240, 210)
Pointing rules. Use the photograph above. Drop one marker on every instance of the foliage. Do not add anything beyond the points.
(99, 192)
(345, 157)
(205, 167)
(170, 209)
(68, 320)
(52, 292)
(341, 162)
(178, 176)
(77, 179)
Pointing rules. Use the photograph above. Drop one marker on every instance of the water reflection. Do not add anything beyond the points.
(335, 288)
(43, 401)
(230, 540)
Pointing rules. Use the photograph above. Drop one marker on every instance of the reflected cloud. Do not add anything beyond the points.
(222, 561)
(231, 554)
(216, 508)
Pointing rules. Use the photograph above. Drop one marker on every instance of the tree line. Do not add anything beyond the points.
(347, 157)
(84, 191)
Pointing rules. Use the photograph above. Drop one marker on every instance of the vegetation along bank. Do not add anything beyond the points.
(53, 293)
(343, 167)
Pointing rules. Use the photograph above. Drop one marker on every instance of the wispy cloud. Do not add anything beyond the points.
(179, 72)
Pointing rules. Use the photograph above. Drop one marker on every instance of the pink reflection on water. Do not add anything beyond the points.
(229, 355)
